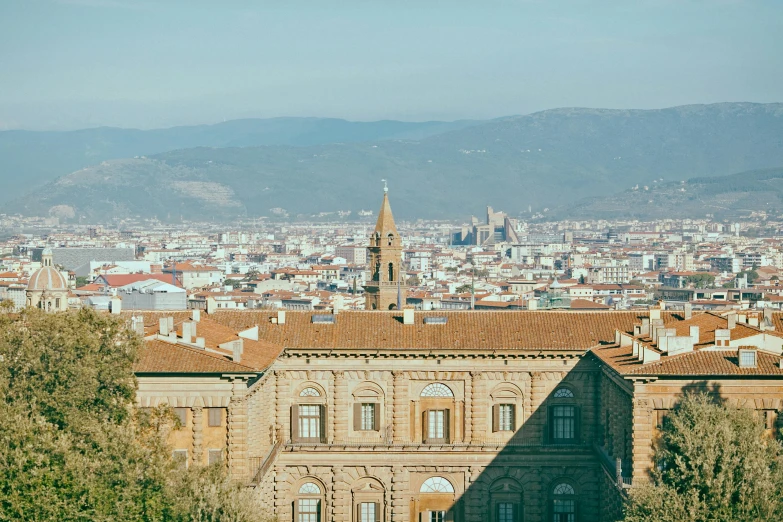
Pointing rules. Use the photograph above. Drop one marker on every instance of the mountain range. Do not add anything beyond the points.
(553, 159)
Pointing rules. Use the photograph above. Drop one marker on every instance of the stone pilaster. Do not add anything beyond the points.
(478, 406)
(283, 415)
(282, 506)
(237, 432)
(339, 414)
(198, 436)
(475, 505)
(400, 491)
(331, 416)
(642, 439)
(535, 497)
(538, 394)
(341, 496)
(468, 407)
(401, 429)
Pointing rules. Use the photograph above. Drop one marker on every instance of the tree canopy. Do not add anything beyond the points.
(714, 463)
(72, 445)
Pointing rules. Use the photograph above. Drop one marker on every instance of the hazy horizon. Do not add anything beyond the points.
(71, 64)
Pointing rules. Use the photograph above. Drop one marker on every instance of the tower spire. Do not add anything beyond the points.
(385, 260)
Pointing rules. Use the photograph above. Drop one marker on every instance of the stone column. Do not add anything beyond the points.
(468, 437)
(339, 413)
(198, 436)
(401, 428)
(478, 405)
(400, 491)
(537, 411)
(237, 431)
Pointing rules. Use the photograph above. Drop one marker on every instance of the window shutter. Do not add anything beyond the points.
(577, 423)
(376, 417)
(322, 409)
(377, 512)
(496, 418)
(359, 512)
(513, 417)
(294, 423)
(425, 432)
(446, 426)
(357, 416)
(318, 508)
(424, 516)
(296, 510)
(449, 516)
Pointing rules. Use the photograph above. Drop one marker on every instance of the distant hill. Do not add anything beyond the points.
(30, 158)
(547, 159)
(722, 196)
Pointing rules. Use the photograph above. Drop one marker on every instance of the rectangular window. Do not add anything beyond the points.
(180, 457)
(310, 421)
(308, 510)
(182, 415)
(563, 423)
(506, 417)
(436, 425)
(437, 516)
(747, 358)
(564, 511)
(506, 512)
(368, 511)
(215, 416)
(368, 417)
(215, 456)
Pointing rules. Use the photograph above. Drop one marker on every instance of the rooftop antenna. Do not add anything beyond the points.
(473, 288)
(174, 274)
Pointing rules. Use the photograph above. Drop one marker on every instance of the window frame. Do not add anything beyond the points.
(182, 415)
(211, 413)
(445, 413)
(555, 407)
(554, 498)
(312, 516)
(214, 451)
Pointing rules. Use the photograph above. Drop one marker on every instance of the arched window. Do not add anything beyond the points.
(505, 500)
(563, 503)
(436, 389)
(436, 485)
(308, 416)
(391, 239)
(564, 417)
(391, 271)
(309, 392)
(307, 506)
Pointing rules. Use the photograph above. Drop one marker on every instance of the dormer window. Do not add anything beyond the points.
(747, 358)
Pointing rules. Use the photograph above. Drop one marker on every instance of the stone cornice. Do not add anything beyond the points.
(292, 353)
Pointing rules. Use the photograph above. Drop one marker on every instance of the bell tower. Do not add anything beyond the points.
(386, 285)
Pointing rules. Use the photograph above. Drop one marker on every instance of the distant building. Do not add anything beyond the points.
(498, 229)
(71, 258)
(153, 294)
(385, 287)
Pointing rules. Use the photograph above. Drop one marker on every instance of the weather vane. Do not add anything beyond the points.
(385, 186)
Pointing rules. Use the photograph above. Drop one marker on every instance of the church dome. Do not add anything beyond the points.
(47, 278)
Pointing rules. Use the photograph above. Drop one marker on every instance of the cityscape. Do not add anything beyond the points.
(391, 261)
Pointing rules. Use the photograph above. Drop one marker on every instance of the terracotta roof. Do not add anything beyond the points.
(697, 363)
(162, 357)
(584, 304)
(474, 330)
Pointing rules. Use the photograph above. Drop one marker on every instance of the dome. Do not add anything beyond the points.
(47, 278)
(47, 251)
(556, 284)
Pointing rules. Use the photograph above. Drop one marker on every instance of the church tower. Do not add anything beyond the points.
(386, 285)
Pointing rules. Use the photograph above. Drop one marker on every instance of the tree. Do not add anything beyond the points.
(81, 281)
(72, 445)
(233, 283)
(582, 279)
(701, 280)
(714, 462)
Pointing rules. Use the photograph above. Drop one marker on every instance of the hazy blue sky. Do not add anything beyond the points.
(151, 63)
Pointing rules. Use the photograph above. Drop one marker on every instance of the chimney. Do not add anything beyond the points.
(687, 310)
(337, 304)
(211, 305)
(753, 321)
(722, 337)
(238, 348)
(694, 331)
(186, 335)
(637, 330)
(281, 317)
(768, 315)
(532, 304)
(196, 315)
(407, 315)
(742, 318)
(732, 320)
(164, 326)
(200, 342)
(193, 329)
(655, 313)
(137, 325)
(115, 304)
(645, 330)
(171, 323)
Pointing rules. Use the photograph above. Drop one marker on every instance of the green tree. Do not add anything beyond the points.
(72, 445)
(81, 281)
(713, 463)
(233, 283)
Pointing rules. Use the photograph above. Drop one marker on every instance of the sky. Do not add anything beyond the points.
(68, 64)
